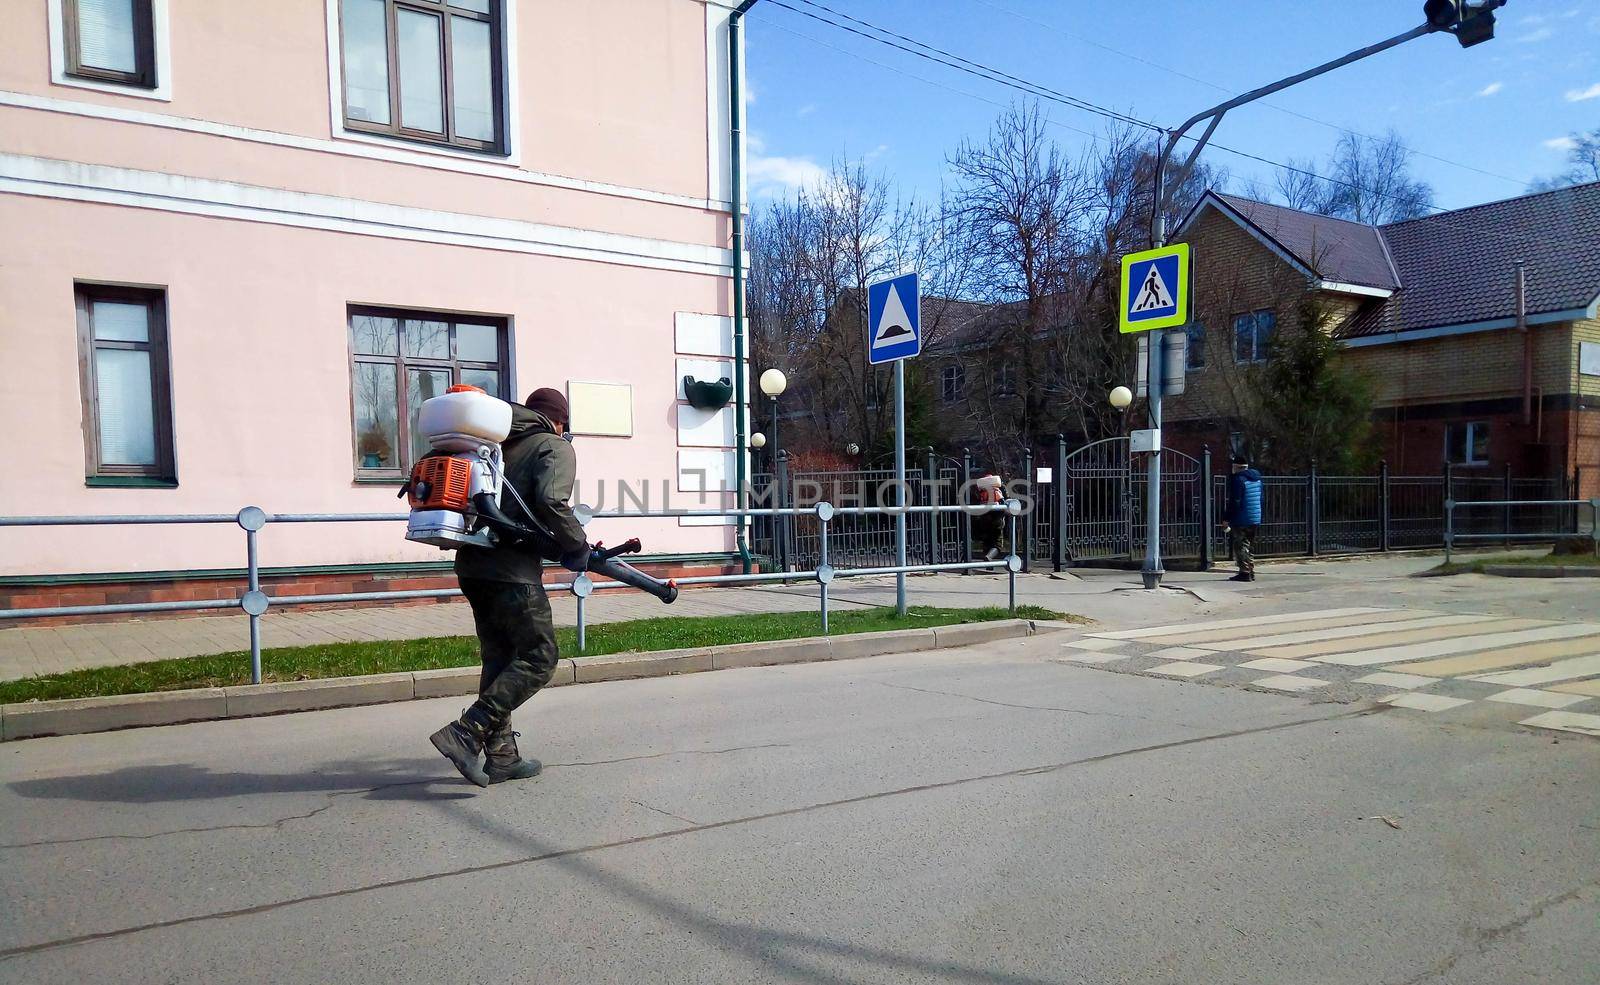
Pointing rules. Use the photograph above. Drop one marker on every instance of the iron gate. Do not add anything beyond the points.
(1105, 486)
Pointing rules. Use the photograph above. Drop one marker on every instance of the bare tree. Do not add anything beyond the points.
(1374, 183)
(1021, 206)
(1583, 163)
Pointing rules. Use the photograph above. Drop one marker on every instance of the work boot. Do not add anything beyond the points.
(1242, 577)
(462, 743)
(503, 762)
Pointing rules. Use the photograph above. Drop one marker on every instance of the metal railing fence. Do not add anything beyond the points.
(254, 602)
(1564, 512)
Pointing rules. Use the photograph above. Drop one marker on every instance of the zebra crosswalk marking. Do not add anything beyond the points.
(1401, 633)
(1440, 648)
(1289, 682)
(1536, 698)
(1380, 630)
(1425, 702)
(1561, 670)
(1405, 682)
(1591, 688)
(1277, 665)
(1146, 633)
(1309, 621)
(1566, 721)
(1505, 658)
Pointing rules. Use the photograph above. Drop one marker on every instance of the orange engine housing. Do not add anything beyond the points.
(448, 480)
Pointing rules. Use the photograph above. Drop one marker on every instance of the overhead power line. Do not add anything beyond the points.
(1225, 89)
(911, 46)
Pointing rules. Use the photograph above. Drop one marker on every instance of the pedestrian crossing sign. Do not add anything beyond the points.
(1155, 289)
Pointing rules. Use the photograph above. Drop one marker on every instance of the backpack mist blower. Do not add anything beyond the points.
(455, 491)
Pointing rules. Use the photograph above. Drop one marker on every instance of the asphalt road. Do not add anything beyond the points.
(980, 815)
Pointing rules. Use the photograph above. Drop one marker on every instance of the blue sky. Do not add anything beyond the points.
(1500, 111)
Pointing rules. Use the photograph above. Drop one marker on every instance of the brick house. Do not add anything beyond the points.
(1427, 310)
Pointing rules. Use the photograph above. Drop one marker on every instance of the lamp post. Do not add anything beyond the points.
(1121, 398)
(773, 383)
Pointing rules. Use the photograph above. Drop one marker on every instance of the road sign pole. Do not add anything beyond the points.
(900, 484)
(1151, 572)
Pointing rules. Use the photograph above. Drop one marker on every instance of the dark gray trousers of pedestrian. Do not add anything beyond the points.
(1242, 540)
(517, 643)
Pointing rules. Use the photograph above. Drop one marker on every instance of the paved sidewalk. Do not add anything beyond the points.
(51, 650)
(1109, 597)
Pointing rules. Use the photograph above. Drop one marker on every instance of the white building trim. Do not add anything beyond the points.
(1493, 325)
(73, 181)
(1360, 289)
(161, 39)
(414, 155)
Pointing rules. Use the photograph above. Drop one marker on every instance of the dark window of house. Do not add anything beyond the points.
(1252, 336)
(952, 380)
(110, 40)
(1467, 444)
(1195, 357)
(1006, 379)
(428, 70)
(127, 401)
(398, 359)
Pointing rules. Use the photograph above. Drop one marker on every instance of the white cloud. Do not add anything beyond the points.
(806, 110)
(1561, 143)
(1579, 95)
(1491, 88)
(774, 175)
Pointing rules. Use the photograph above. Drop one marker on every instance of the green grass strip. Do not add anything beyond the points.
(1477, 564)
(300, 663)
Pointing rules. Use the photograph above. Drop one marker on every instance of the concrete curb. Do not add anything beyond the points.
(1541, 571)
(36, 719)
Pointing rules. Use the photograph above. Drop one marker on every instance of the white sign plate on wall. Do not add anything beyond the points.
(1589, 358)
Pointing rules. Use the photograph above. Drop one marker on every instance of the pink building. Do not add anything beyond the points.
(241, 242)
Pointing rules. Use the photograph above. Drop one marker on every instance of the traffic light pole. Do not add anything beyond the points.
(1152, 571)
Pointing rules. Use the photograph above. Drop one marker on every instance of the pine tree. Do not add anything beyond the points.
(1312, 406)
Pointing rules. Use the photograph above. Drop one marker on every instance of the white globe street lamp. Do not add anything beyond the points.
(758, 440)
(773, 382)
(1121, 398)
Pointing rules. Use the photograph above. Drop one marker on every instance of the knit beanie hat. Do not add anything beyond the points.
(550, 403)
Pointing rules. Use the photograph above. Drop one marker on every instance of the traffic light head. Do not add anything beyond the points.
(1443, 14)
(1471, 23)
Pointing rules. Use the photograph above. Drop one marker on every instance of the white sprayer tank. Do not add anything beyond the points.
(463, 418)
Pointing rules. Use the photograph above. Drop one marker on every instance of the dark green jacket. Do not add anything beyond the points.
(542, 466)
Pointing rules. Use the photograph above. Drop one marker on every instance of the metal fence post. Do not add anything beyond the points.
(1449, 528)
(1505, 516)
(824, 569)
(1385, 540)
(581, 589)
(1033, 499)
(1449, 493)
(1208, 508)
(254, 601)
(1012, 563)
(1312, 508)
(780, 523)
(930, 486)
(1594, 523)
(1058, 540)
(965, 517)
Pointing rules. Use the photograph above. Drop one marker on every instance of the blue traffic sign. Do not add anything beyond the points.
(1155, 289)
(894, 320)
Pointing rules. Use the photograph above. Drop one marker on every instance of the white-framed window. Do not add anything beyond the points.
(118, 46)
(952, 382)
(1467, 444)
(433, 75)
(1252, 336)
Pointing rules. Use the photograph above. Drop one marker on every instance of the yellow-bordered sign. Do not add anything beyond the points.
(1155, 289)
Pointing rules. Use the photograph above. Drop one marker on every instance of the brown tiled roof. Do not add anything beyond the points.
(1445, 270)
(1334, 249)
(1458, 268)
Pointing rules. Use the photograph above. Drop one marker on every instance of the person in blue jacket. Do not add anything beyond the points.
(1243, 516)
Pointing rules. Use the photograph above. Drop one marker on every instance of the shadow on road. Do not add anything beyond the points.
(396, 779)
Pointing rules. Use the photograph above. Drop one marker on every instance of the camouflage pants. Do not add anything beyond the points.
(1243, 542)
(516, 642)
